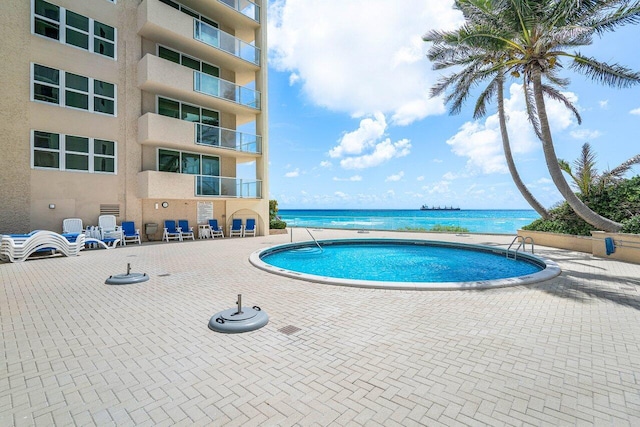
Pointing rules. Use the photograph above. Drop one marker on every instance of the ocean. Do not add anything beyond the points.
(475, 221)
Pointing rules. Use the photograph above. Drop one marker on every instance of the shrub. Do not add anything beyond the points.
(449, 228)
(277, 224)
(631, 225)
(620, 203)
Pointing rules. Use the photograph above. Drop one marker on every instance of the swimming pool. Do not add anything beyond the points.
(403, 264)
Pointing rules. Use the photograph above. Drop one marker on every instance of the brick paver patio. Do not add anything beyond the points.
(75, 351)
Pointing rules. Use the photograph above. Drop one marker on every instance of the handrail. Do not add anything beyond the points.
(314, 239)
(523, 244)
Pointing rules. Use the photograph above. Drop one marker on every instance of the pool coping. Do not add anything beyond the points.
(550, 270)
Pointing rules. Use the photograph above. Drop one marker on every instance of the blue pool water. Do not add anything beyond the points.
(399, 261)
(474, 221)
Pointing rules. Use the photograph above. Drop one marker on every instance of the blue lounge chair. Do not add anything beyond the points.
(250, 228)
(216, 230)
(171, 231)
(185, 230)
(130, 233)
(236, 228)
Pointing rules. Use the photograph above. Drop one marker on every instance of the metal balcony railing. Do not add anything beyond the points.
(215, 86)
(245, 7)
(215, 136)
(224, 41)
(219, 186)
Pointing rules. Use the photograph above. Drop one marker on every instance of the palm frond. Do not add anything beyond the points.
(614, 75)
(619, 171)
(556, 95)
(625, 14)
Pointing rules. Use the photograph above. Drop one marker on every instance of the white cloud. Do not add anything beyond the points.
(362, 149)
(635, 111)
(325, 164)
(292, 174)
(376, 57)
(396, 177)
(420, 178)
(293, 79)
(481, 141)
(383, 152)
(355, 178)
(604, 104)
(584, 134)
(437, 160)
(440, 187)
(365, 136)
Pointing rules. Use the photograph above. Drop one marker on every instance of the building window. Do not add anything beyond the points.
(84, 93)
(187, 61)
(189, 12)
(72, 153)
(188, 163)
(78, 30)
(190, 113)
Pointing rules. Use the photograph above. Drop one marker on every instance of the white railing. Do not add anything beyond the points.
(217, 38)
(215, 86)
(215, 136)
(219, 186)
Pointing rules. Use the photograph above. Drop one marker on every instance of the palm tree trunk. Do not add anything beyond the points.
(533, 202)
(582, 210)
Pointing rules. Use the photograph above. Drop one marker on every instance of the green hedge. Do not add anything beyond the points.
(620, 202)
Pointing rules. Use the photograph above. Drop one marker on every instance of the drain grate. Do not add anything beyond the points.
(164, 275)
(288, 330)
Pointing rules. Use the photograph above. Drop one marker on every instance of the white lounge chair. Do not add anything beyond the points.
(109, 229)
(216, 230)
(236, 228)
(130, 233)
(185, 230)
(171, 231)
(72, 225)
(250, 228)
(18, 247)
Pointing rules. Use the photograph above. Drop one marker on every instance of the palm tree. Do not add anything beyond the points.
(585, 176)
(449, 50)
(534, 34)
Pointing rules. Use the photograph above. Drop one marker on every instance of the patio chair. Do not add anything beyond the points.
(185, 230)
(109, 229)
(72, 225)
(250, 228)
(130, 233)
(236, 228)
(216, 230)
(171, 231)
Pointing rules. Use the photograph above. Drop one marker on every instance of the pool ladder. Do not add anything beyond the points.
(314, 239)
(522, 244)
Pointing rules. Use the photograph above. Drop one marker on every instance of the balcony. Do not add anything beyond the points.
(245, 7)
(157, 130)
(220, 40)
(214, 136)
(214, 86)
(165, 78)
(167, 185)
(174, 29)
(218, 186)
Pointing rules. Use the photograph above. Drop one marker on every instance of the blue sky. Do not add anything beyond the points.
(352, 126)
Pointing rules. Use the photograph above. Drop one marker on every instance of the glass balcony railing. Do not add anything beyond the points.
(210, 186)
(226, 138)
(224, 41)
(245, 7)
(224, 89)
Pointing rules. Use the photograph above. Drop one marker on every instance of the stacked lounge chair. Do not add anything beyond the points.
(18, 247)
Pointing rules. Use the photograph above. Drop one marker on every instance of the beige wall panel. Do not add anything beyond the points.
(51, 53)
(75, 194)
(48, 117)
(14, 133)
(103, 11)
